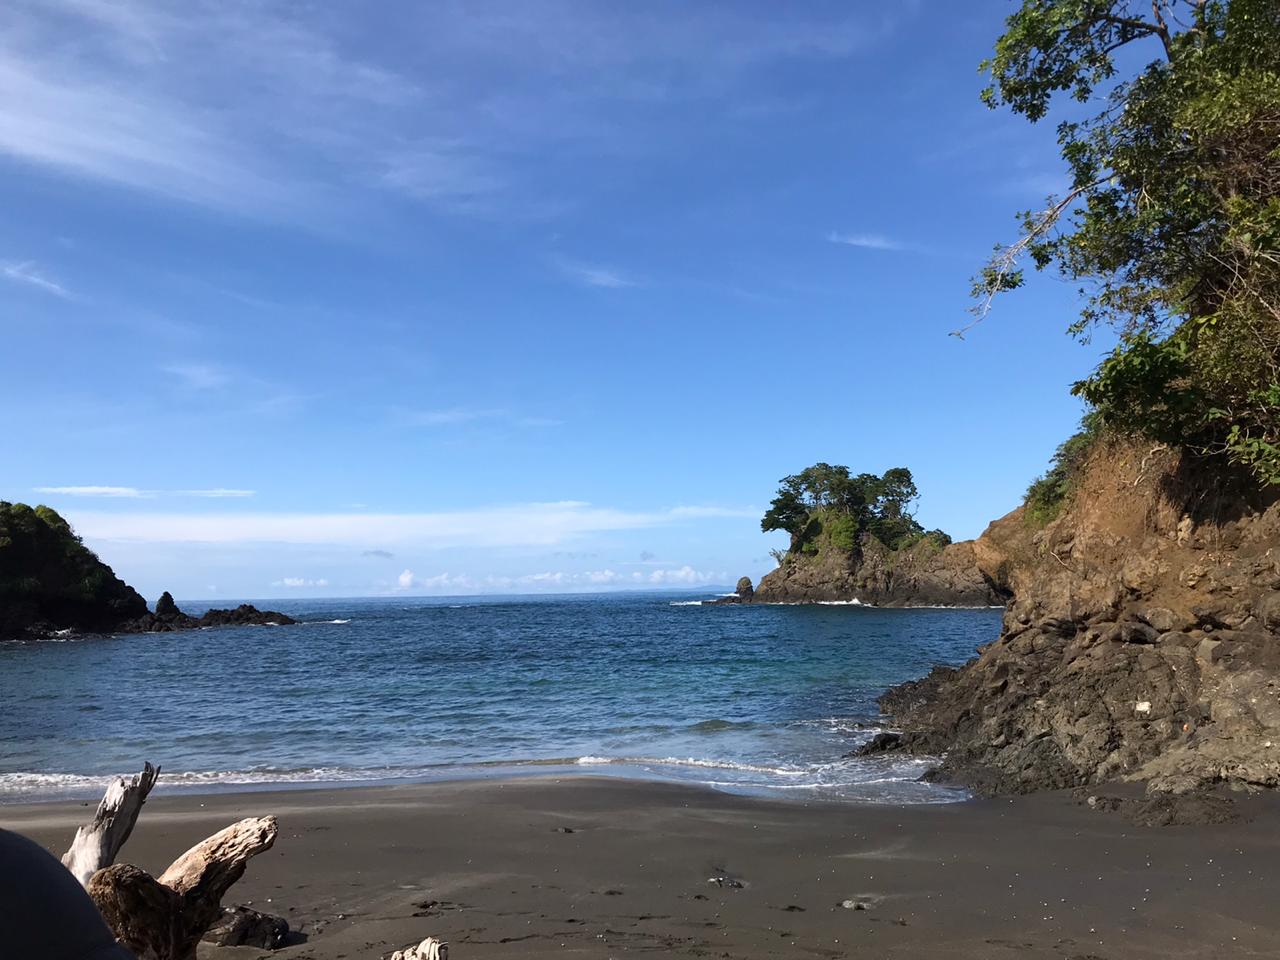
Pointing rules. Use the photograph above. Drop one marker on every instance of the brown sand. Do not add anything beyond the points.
(595, 867)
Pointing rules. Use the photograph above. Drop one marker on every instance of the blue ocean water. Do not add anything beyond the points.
(761, 699)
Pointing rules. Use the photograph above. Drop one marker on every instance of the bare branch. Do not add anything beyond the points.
(99, 841)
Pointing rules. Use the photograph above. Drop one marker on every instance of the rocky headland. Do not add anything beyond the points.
(925, 574)
(1141, 640)
(51, 583)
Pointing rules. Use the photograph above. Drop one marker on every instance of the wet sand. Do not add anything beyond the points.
(598, 867)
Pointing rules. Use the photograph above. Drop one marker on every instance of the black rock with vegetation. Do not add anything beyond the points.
(49, 580)
(854, 537)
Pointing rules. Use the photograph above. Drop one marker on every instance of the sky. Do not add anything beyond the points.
(507, 295)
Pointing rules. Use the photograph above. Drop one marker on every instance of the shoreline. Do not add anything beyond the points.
(88, 788)
(596, 866)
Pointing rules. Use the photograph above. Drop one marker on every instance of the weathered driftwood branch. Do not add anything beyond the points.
(428, 949)
(98, 841)
(164, 919)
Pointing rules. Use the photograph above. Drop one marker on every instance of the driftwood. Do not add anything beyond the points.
(164, 919)
(98, 841)
(428, 949)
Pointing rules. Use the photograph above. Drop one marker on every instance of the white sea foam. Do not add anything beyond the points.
(686, 603)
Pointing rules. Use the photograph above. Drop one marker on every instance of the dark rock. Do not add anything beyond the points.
(244, 927)
(166, 609)
(880, 743)
(50, 581)
(244, 615)
(1085, 685)
(924, 574)
(744, 589)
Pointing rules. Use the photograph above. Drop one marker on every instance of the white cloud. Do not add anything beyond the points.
(199, 376)
(595, 276)
(279, 111)
(551, 581)
(869, 241)
(436, 418)
(300, 582)
(26, 272)
(131, 493)
(529, 524)
(454, 416)
(135, 493)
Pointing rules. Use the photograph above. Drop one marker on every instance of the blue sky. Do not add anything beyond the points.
(348, 299)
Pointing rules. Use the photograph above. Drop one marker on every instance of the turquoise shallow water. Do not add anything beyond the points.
(762, 699)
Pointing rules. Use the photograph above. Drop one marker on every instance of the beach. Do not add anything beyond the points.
(600, 867)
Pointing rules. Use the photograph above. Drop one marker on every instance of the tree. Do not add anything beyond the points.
(1172, 222)
(848, 505)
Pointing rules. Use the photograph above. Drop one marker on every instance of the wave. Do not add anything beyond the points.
(716, 725)
(686, 603)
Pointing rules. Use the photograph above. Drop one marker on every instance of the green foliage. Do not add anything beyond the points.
(842, 531)
(47, 575)
(1172, 225)
(1048, 494)
(828, 499)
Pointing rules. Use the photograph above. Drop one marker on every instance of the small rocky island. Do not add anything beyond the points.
(50, 582)
(856, 538)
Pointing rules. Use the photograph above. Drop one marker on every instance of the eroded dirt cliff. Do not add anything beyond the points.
(1142, 640)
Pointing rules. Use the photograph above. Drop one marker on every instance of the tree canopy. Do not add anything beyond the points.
(850, 505)
(1172, 222)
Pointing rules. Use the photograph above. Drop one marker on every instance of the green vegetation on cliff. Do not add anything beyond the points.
(48, 577)
(1172, 222)
(825, 504)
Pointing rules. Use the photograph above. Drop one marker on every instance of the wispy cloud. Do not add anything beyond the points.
(870, 241)
(214, 493)
(518, 525)
(26, 272)
(592, 275)
(551, 581)
(438, 418)
(299, 582)
(199, 376)
(136, 493)
(140, 99)
(454, 416)
(130, 493)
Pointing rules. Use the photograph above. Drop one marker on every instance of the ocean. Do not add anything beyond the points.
(756, 699)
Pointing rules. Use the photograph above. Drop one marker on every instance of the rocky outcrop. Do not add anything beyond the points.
(168, 617)
(50, 581)
(742, 593)
(924, 574)
(1142, 641)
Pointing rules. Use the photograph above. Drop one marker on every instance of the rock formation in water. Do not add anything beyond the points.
(168, 617)
(926, 573)
(1142, 640)
(51, 582)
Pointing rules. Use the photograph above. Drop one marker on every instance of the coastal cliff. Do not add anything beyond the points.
(926, 573)
(1141, 641)
(51, 582)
